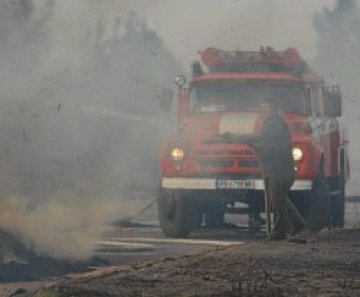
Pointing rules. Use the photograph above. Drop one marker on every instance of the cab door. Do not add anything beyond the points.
(318, 120)
(327, 131)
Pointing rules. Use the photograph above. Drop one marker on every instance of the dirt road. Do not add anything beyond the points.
(328, 265)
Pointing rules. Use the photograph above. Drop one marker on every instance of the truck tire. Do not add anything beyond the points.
(177, 215)
(338, 205)
(340, 222)
(318, 206)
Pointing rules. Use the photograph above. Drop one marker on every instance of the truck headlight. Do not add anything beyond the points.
(297, 154)
(177, 154)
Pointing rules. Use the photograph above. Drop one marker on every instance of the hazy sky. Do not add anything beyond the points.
(187, 26)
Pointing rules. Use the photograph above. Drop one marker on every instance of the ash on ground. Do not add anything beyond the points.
(21, 263)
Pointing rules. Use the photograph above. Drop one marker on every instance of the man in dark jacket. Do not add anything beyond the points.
(274, 149)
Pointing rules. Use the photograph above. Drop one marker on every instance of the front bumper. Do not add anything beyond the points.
(181, 183)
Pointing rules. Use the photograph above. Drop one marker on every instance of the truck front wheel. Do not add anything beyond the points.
(178, 215)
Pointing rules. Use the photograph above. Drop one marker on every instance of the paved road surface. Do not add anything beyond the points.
(128, 245)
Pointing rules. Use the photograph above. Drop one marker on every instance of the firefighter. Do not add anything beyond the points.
(274, 148)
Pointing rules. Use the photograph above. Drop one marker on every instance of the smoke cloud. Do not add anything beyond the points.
(80, 126)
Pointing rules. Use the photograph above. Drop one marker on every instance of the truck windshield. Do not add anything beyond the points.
(245, 97)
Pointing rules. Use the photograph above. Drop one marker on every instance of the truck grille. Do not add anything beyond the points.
(217, 163)
(249, 163)
(213, 159)
(226, 152)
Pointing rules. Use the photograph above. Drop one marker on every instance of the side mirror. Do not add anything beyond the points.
(336, 106)
(334, 102)
(197, 69)
(167, 97)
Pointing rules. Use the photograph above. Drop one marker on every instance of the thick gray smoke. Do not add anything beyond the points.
(338, 57)
(80, 126)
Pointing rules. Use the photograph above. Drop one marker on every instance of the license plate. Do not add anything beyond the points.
(235, 184)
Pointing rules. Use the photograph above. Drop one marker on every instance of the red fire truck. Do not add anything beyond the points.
(204, 175)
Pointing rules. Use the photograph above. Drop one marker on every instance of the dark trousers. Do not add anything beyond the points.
(277, 189)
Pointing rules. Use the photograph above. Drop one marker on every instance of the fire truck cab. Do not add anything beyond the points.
(204, 175)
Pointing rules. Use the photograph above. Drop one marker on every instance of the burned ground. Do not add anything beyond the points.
(22, 263)
(327, 265)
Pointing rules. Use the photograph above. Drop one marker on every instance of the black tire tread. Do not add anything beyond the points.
(185, 217)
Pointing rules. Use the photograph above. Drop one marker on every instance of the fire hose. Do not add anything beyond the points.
(140, 212)
(289, 203)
